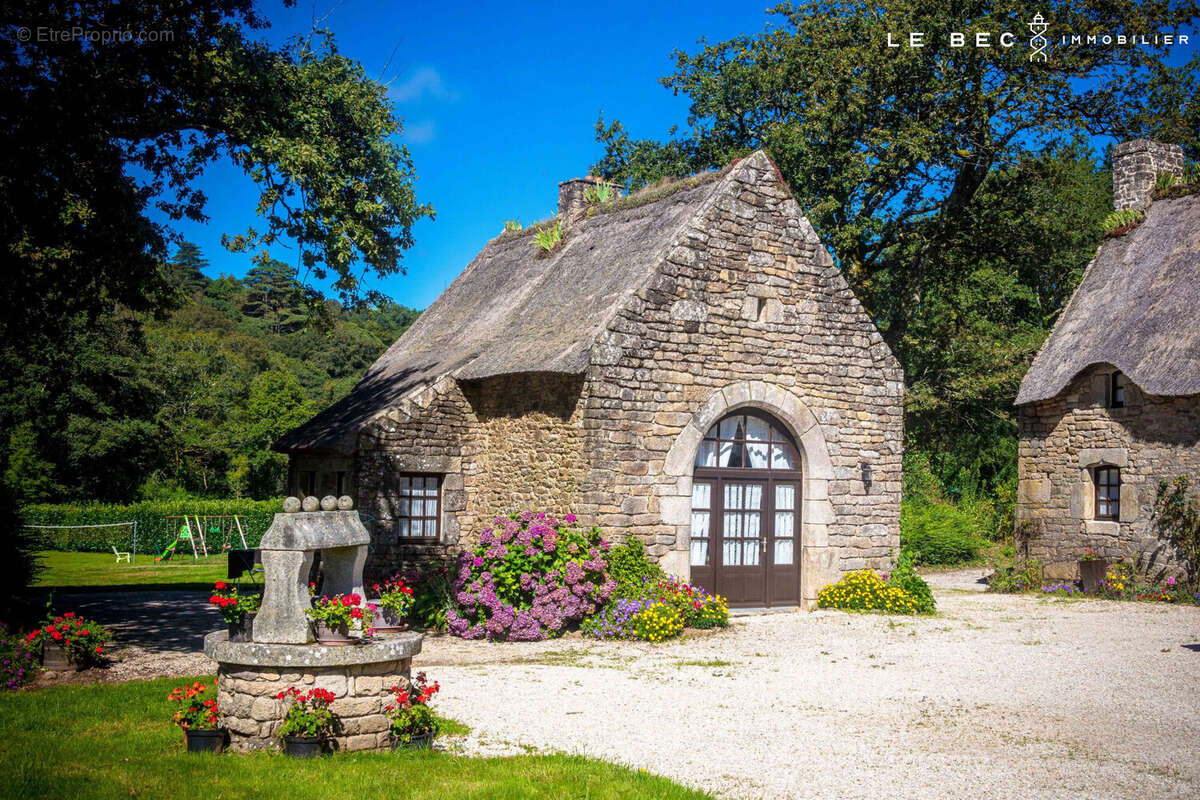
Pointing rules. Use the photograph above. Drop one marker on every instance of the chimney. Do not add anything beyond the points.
(1136, 167)
(570, 194)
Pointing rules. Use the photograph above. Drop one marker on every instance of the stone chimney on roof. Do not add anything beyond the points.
(571, 194)
(1136, 167)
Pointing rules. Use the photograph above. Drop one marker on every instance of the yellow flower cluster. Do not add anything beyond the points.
(714, 613)
(656, 622)
(866, 591)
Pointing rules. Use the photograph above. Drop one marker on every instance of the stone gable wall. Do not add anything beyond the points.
(749, 299)
(1151, 439)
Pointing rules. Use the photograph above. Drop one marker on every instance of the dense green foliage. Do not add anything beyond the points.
(119, 741)
(195, 396)
(631, 569)
(154, 530)
(95, 136)
(1177, 519)
(938, 533)
(948, 183)
(905, 578)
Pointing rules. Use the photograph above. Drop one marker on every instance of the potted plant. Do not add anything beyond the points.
(237, 610)
(394, 601)
(308, 722)
(1091, 570)
(413, 723)
(199, 719)
(333, 617)
(69, 642)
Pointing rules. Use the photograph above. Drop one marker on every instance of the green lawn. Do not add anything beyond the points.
(117, 741)
(101, 570)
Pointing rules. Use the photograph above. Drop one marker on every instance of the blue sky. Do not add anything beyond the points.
(499, 102)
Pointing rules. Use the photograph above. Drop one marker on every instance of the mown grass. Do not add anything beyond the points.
(100, 570)
(116, 740)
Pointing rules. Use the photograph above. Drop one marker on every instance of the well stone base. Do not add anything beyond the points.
(360, 676)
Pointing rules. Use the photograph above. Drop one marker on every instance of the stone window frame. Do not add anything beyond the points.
(1113, 482)
(425, 518)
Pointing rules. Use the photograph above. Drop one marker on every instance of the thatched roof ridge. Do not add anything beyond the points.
(1137, 308)
(515, 309)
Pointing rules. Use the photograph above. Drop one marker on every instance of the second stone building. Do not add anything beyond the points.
(687, 366)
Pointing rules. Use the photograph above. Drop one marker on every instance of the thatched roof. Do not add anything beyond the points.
(515, 309)
(1137, 308)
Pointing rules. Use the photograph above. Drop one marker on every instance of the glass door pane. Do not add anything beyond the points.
(785, 523)
(742, 524)
(701, 511)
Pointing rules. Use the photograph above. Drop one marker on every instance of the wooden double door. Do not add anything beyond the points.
(746, 539)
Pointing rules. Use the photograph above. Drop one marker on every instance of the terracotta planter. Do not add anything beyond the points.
(419, 741)
(242, 631)
(386, 621)
(1091, 572)
(205, 741)
(54, 657)
(332, 636)
(302, 746)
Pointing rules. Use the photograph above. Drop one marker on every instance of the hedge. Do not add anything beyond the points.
(154, 531)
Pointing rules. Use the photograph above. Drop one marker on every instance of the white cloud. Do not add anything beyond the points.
(420, 132)
(423, 82)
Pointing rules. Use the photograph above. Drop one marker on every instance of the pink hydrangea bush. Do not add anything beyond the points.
(532, 577)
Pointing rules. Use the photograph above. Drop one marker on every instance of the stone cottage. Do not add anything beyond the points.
(688, 366)
(1111, 404)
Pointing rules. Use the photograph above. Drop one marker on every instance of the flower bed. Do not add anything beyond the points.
(531, 577)
(865, 590)
(663, 609)
(18, 661)
(82, 639)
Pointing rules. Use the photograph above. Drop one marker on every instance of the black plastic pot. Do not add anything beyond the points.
(243, 630)
(302, 746)
(1091, 572)
(54, 657)
(419, 741)
(205, 741)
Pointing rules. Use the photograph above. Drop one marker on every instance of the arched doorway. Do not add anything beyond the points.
(746, 501)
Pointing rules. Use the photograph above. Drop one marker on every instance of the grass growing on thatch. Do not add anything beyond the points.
(117, 741)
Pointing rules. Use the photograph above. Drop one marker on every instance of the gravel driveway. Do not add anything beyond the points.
(995, 697)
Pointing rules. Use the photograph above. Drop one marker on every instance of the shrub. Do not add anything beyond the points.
(937, 534)
(865, 591)
(83, 639)
(656, 622)
(18, 662)
(530, 577)
(1177, 519)
(632, 571)
(904, 578)
(1009, 577)
(18, 567)
(432, 598)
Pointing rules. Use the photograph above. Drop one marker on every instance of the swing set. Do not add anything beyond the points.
(192, 529)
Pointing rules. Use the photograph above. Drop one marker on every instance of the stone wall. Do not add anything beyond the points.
(749, 311)
(1136, 167)
(250, 710)
(1150, 439)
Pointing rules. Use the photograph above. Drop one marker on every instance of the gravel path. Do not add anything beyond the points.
(995, 697)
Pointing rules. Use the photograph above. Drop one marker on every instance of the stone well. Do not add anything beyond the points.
(250, 675)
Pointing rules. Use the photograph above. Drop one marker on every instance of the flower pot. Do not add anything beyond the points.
(387, 621)
(302, 746)
(54, 657)
(210, 741)
(339, 635)
(1091, 572)
(242, 630)
(418, 741)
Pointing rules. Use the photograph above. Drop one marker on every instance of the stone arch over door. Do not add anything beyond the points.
(816, 556)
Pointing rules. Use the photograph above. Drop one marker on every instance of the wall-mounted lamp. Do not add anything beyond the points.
(866, 475)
